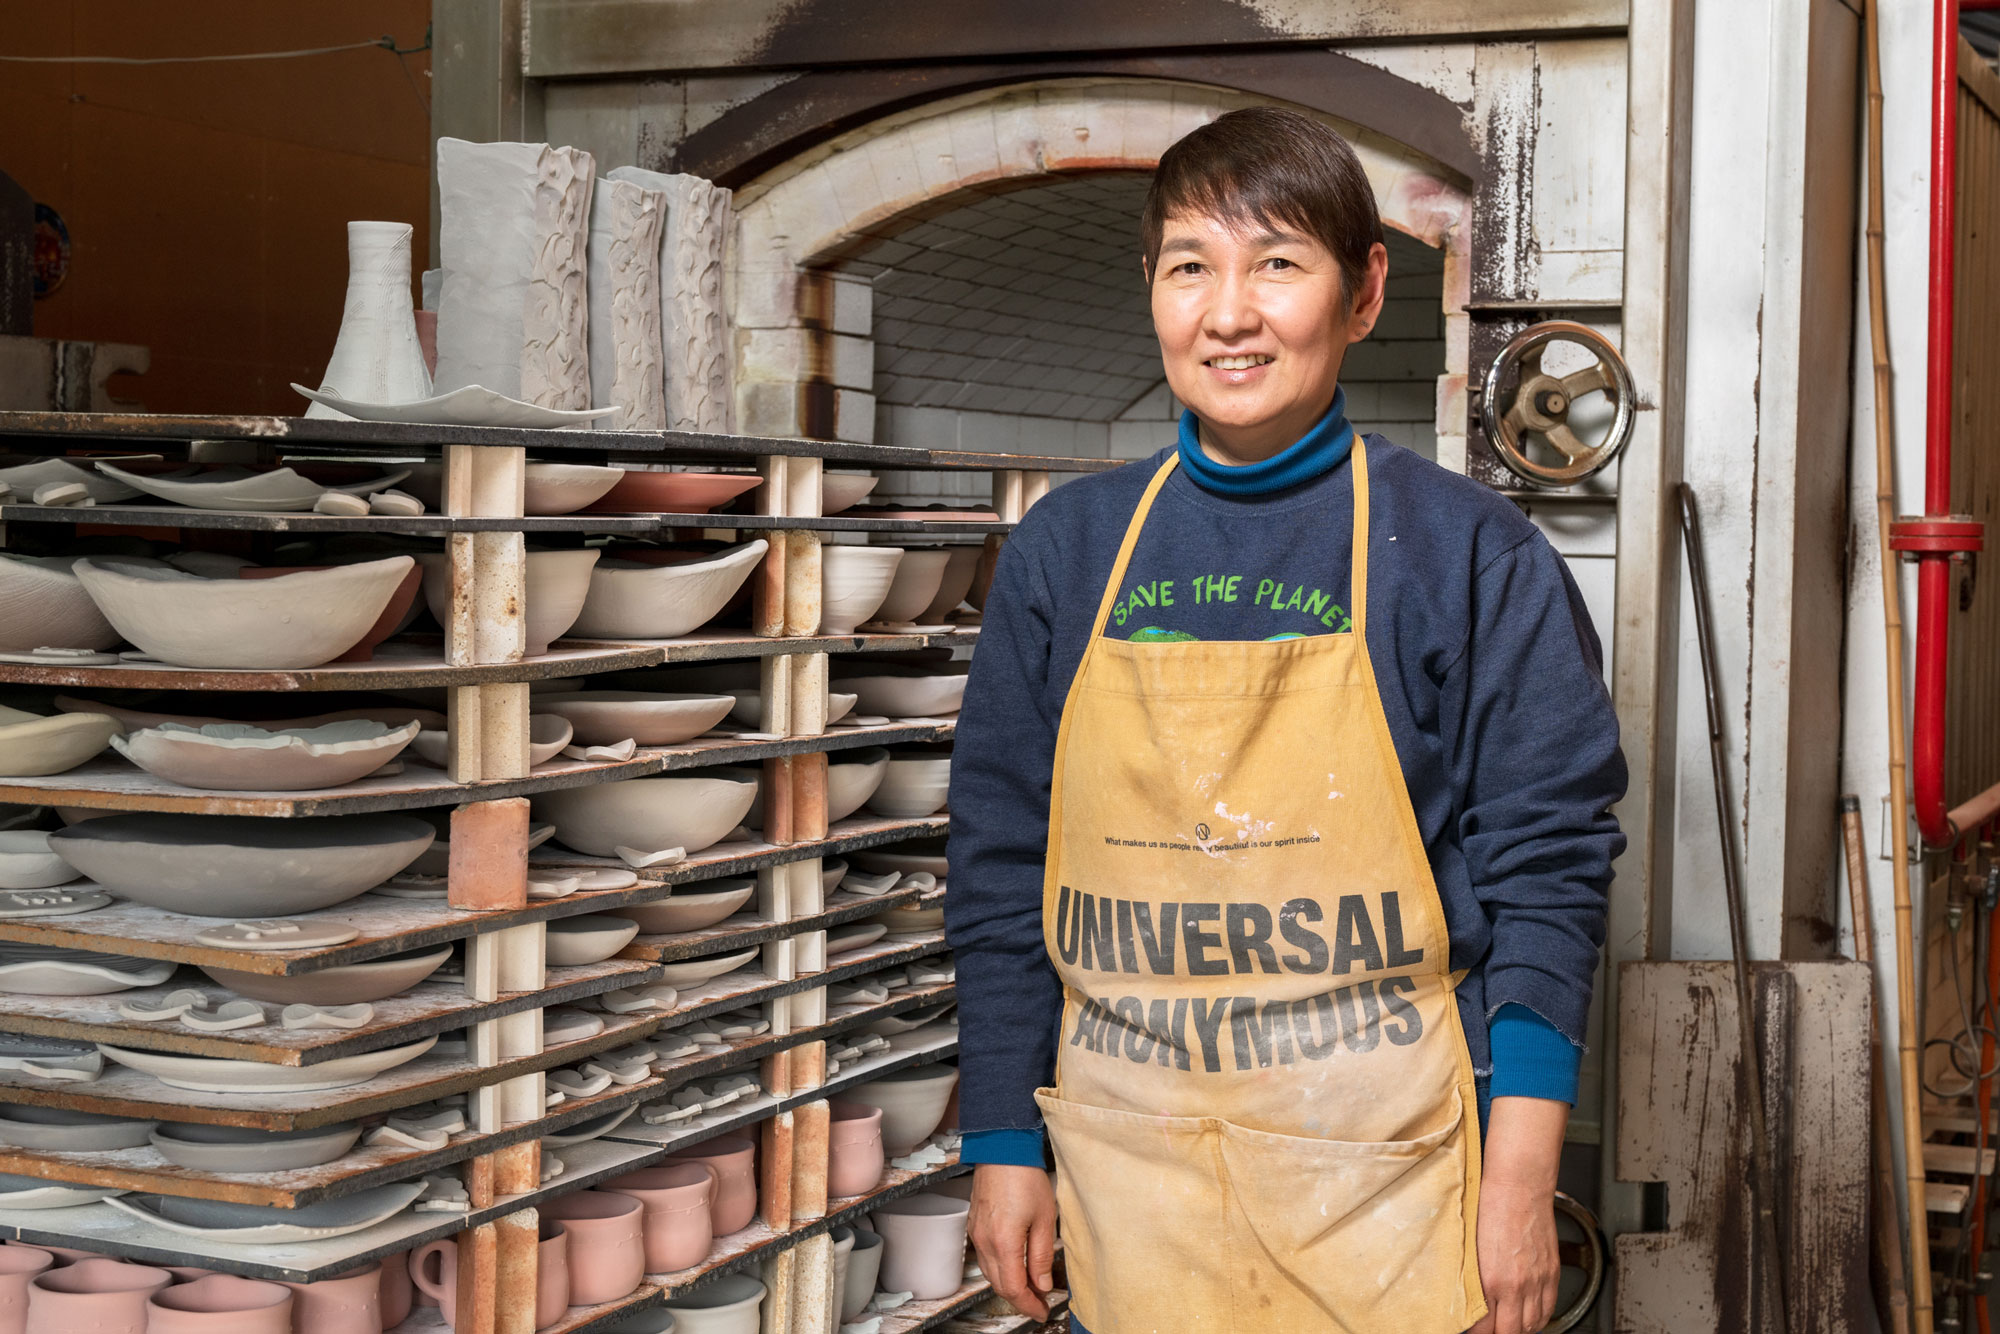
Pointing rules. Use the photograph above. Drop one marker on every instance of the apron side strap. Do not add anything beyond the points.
(1131, 541)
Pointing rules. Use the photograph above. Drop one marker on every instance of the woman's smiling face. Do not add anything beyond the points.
(1253, 323)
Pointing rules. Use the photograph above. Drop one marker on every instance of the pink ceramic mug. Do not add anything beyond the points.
(607, 1248)
(349, 1303)
(552, 1295)
(679, 1224)
(18, 1267)
(93, 1297)
(398, 1293)
(734, 1159)
(854, 1149)
(221, 1304)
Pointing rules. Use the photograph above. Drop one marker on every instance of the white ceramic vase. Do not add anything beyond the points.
(626, 361)
(513, 237)
(376, 358)
(694, 322)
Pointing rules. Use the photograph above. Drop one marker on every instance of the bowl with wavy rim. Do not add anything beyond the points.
(294, 621)
(33, 746)
(43, 604)
(630, 599)
(244, 758)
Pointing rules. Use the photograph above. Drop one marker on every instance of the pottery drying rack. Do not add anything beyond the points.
(506, 983)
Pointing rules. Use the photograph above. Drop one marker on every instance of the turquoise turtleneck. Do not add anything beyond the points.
(1318, 451)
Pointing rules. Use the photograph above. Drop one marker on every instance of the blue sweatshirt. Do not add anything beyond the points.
(1491, 678)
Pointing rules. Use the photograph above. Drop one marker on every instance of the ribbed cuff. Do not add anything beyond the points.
(1011, 1148)
(1531, 1057)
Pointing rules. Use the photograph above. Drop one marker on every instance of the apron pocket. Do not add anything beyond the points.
(1141, 1205)
(1353, 1236)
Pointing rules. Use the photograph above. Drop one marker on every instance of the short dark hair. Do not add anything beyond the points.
(1272, 166)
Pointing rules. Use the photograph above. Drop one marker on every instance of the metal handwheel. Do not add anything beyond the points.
(1584, 1261)
(1541, 404)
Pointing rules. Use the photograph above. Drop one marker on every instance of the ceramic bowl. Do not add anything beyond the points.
(913, 786)
(690, 810)
(832, 870)
(730, 1305)
(843, 939)
(923, 855)
(243, 758)
(910, 1020)
(206, 1148)
(253, 1224)
(32, 745)
(399, 613)
(60, 1130)
(692, 907)
(42, 603)
(551, 488)
(47, 970)
(630, 600)
(205, 1074)
(858, 1281)
(606, 717)
(843, 490)
(345, 984)
(934, 696)
(749, 708)
(547, 735)
(853, 582)
(923, 1244)
(241, 866)
(915, 586)
(591, 938)
(962, 565)
(272, 491)
(298, 620)
(852, 779)
(912, 1102)
(674, 492)
(557, 584)
(693, 972)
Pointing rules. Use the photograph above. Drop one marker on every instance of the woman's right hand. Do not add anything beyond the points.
(1013, 1228)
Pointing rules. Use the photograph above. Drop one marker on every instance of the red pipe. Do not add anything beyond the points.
(1934, 567)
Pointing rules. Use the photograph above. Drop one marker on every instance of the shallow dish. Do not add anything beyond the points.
(902, 921)
(591, 938)
(241, 866)
(749, 707)
(631, 600)
(250, 1224)
(674, 492)
(19, 1192)
(550, 488)
(853, 936)
(32, 745)
(43, 970)
(909, 1020)
(27, 478)
(558, 582)
(606, 717)
(472, 405)
(43, 604)
(293, 621)
(687, 810)
(853, 582)
(206, 1148)
(345, 984)
(242, 758)
(841, 490)
(588, 1130)
(690, 972)
(279, 490)
(959, 572)
(831, 872)
(907, 696)
(204, 1074)
(919, 856)
(692, 909)
(60, 1130)
(918, 575)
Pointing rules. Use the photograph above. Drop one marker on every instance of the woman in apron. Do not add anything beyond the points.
(1281, 828)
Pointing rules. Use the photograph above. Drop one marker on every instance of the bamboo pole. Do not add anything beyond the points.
(1915, 1217)
(1886, 1226)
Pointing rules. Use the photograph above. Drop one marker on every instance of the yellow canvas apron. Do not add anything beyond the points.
(1264, 1117)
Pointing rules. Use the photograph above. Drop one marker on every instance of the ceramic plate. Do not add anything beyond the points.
(688, 972)
(474, 405)
(692, 909)
(345, 984)
(232, 488)
(41, 970)
(853, 936)
(215, 1075)
(27, 861)
(592, 938)
(203, 1148)
(17, 1192)
(60, 1130)
(589, 1130)
(217, 1220)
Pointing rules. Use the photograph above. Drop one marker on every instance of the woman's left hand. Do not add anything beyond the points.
(1518, 1264)
(1518, 1261)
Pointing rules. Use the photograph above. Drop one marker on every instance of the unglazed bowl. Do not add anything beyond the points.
(43, 604)
(558, 582)
(912, 1102)
(606, 717)
(691, 908)
(633, 600)
(690, 810)
(913, 786)
(240, 757)
(915, 586)
(929, 696)
(853, 582)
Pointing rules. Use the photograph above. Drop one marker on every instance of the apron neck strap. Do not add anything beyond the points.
(1358, 580)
